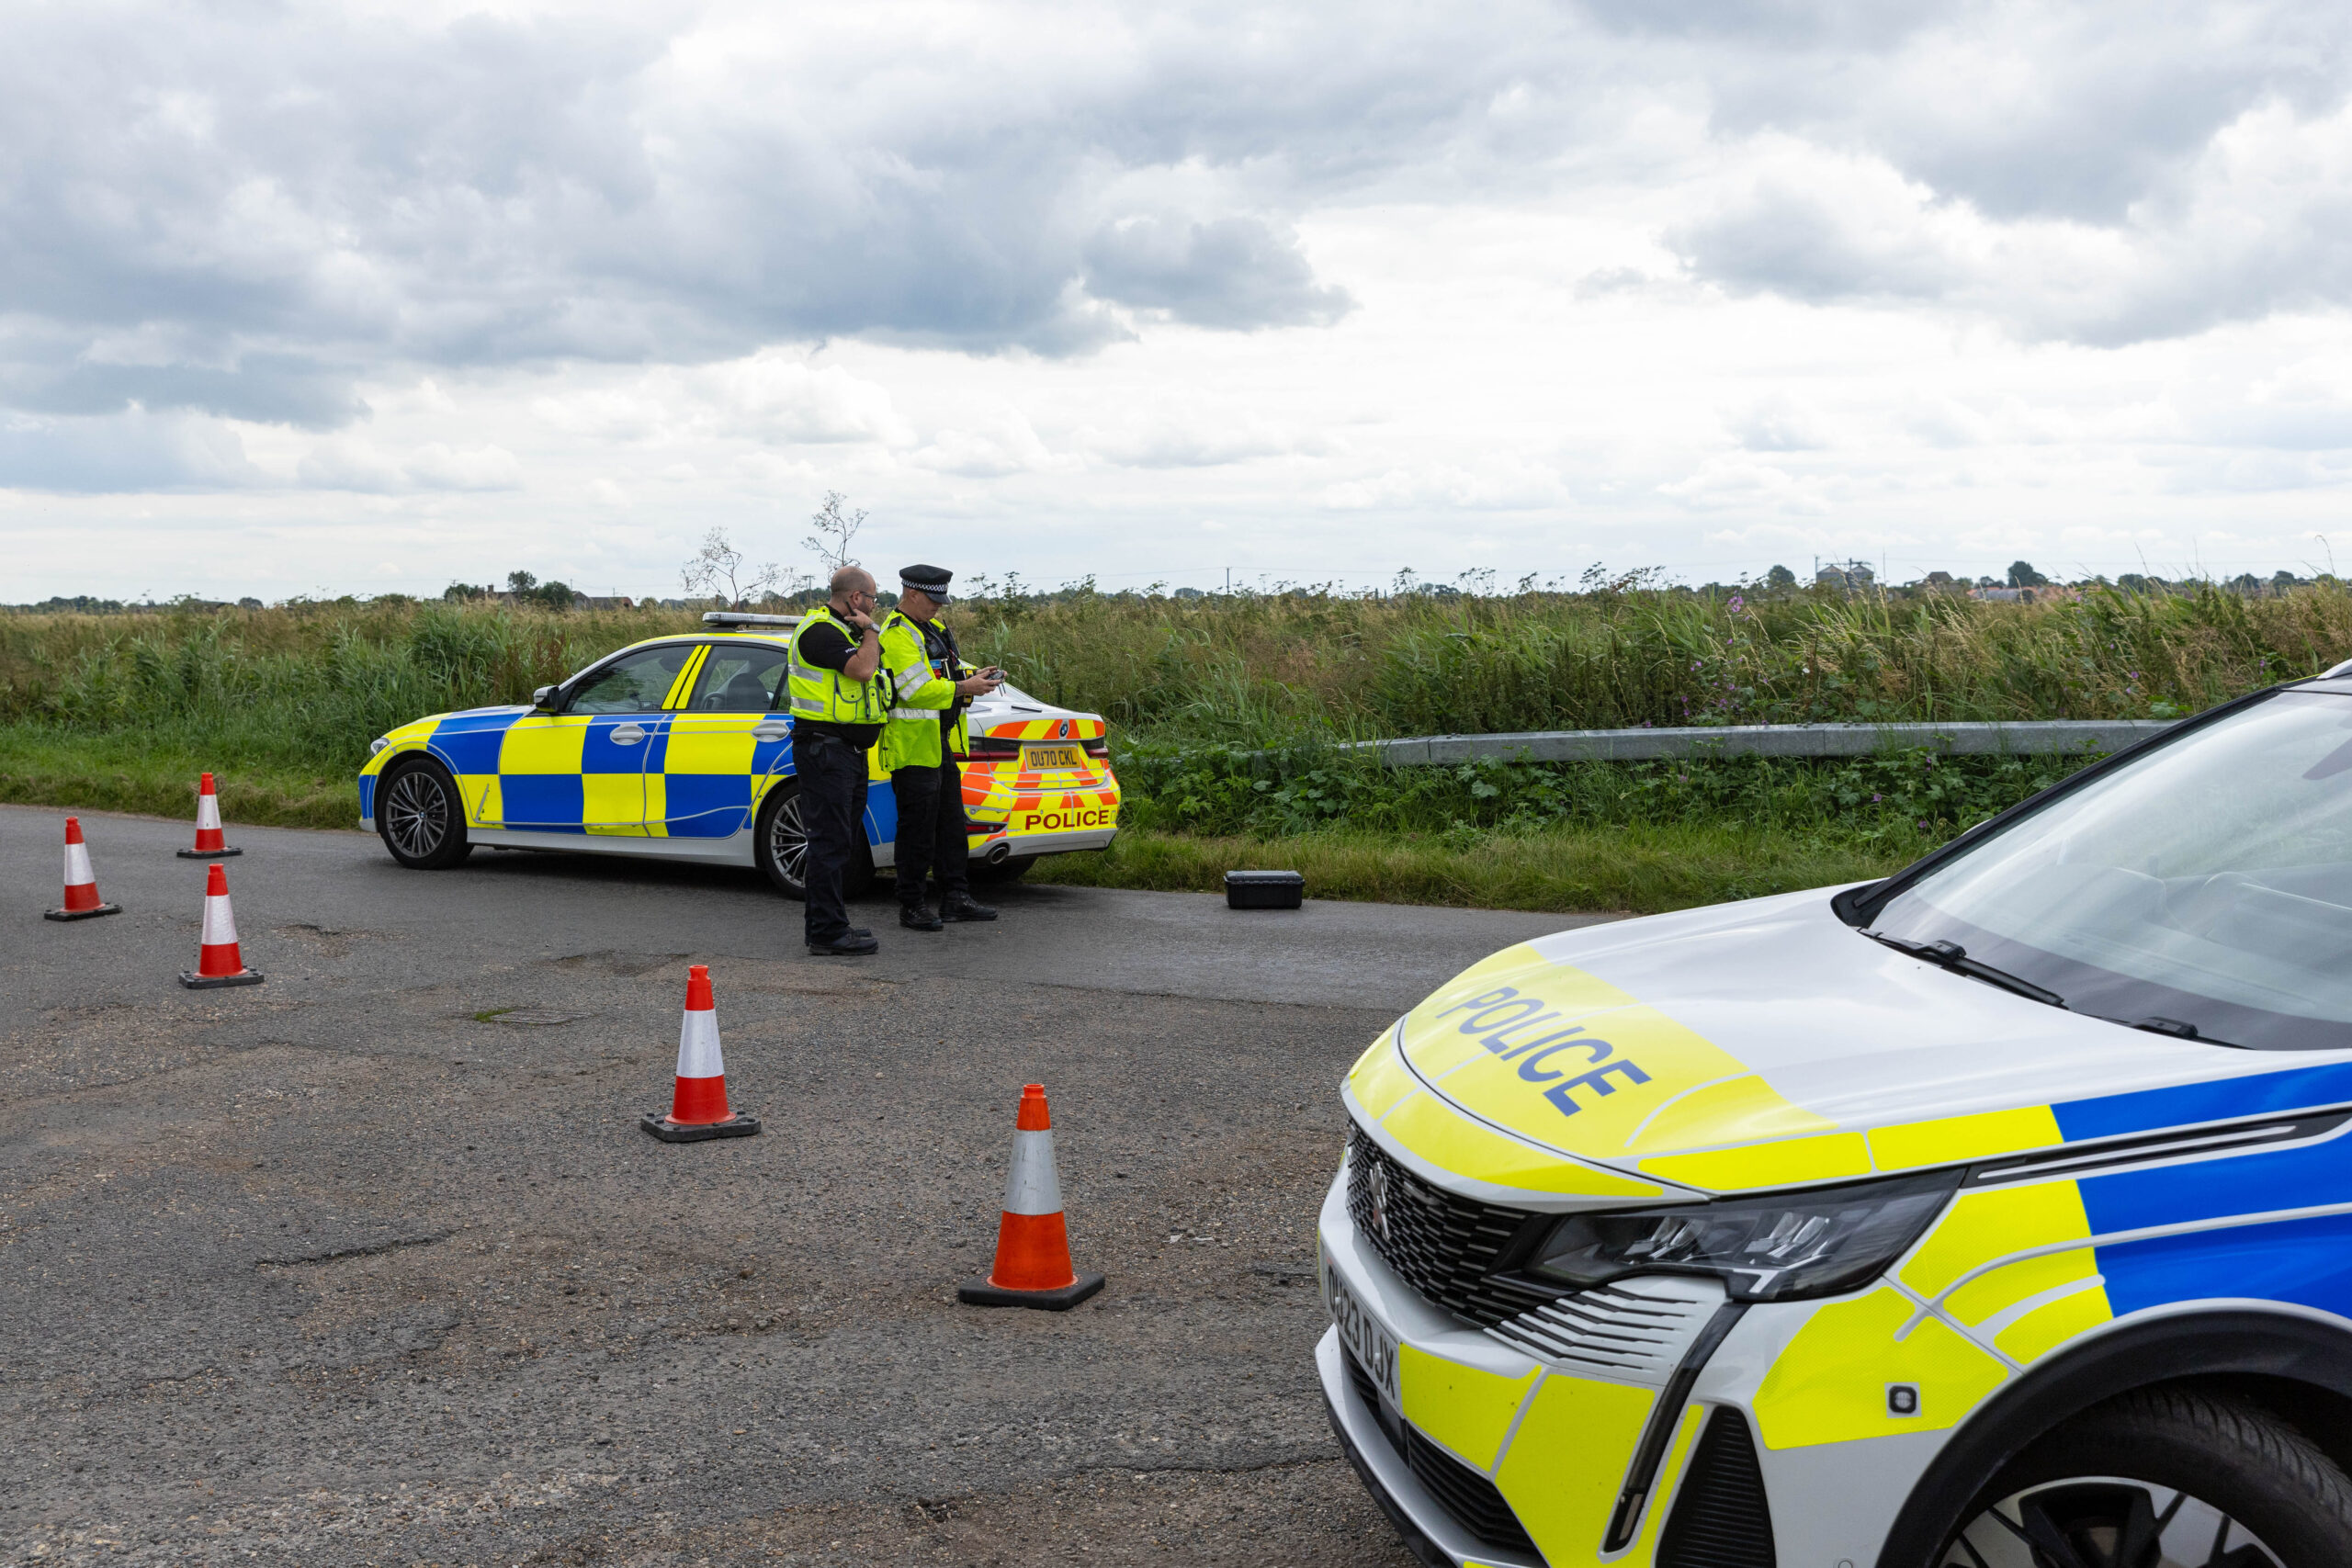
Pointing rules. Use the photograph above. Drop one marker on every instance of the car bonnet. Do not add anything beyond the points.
(1764, 1044)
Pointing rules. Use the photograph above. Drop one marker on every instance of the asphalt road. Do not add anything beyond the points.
(354, 1267)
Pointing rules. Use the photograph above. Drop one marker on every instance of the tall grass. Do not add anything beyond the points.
(309, 685)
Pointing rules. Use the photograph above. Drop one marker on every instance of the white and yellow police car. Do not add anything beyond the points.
(679, 748)
(1996, 1215)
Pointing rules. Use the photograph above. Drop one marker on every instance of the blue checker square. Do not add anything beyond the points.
(368, 794)
(599, 754)
(705, 805)
(545, 802)
(881, 814)
(470, 745)
(2223, 1100)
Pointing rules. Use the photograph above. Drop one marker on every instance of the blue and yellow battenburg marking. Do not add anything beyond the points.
(702, 776)
(1495, 1077)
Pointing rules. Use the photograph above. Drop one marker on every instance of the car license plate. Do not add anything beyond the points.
(1047, 758)
(1374, 1346)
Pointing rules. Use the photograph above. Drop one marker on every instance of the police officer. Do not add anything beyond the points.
(929, 686)
(838, 708)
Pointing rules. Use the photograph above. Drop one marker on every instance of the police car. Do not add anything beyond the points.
(679, 748)
(1994, 1216)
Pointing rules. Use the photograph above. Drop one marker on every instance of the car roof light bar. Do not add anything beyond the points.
(744, 618)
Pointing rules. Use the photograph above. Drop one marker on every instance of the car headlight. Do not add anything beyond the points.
(379, 744)
(1777, 1248)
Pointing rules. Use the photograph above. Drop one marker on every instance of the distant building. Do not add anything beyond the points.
(1846, 576)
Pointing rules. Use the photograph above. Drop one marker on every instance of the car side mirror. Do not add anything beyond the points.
(543, 697)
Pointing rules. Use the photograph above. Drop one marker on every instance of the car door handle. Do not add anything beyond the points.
(772, 731)
(628, 734)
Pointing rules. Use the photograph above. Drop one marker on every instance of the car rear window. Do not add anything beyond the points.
(738, 678)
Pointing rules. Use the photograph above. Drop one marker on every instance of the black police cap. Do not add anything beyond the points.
(931, 580)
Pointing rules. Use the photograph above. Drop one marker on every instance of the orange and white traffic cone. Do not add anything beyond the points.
(211, 844)
(81, 886)
(218, 962)
(698, 1108)
(1033, 1266)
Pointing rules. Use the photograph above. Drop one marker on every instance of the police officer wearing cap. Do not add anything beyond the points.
(833, 674)
(930, 687)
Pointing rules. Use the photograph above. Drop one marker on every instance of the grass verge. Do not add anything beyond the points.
(156, 776)
(1643, 869)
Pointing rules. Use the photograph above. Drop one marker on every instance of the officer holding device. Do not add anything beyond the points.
(930, 687)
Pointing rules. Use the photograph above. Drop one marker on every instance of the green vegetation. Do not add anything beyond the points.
(1228, 714)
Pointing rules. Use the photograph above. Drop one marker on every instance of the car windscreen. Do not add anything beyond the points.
(2206, 883)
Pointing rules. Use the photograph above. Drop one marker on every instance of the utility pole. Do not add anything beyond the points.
(1229, 582)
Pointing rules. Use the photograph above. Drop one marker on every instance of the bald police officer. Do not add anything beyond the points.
(929, 686)
(838, 705)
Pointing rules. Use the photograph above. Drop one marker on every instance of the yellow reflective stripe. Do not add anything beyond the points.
(677, 698)
(1829, 1384)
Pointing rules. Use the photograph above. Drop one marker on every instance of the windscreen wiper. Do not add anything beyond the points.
(1953, 956)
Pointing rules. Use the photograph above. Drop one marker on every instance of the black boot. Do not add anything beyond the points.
(915, 917)
(964, 907)
(849, 944)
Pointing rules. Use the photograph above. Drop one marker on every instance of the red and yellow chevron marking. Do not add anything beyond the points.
(1048, 729)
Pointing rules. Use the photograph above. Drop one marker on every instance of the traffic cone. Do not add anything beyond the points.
(1032, 1266)
(217, 960)
(81, 886)
(209, 842)
(698, 1108)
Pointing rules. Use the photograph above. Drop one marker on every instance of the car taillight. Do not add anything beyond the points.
(993, 748)
(1098, 747)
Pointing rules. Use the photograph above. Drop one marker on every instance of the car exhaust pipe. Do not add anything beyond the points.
(999, 852)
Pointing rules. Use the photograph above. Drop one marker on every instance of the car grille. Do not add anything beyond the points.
(1469, 1496)
(1446, 1247)
(1638, 1329)
(1721, 1517)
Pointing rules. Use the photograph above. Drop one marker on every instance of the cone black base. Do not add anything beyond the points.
(208, 855)
(81, 914)
(659, 1124)
(980, 1294)
(195, 982)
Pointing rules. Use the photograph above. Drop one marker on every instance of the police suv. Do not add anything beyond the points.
(680, 748)
(1994, 1216)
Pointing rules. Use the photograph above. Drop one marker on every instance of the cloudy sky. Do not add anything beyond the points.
(363, 298)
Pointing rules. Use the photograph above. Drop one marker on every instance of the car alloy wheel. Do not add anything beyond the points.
(416, 814)
(788, 841)
(2102, 1521)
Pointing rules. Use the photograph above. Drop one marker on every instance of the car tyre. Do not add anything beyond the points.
(2230, 1485)
(780, 844)
(1011, 868)
(419, 816)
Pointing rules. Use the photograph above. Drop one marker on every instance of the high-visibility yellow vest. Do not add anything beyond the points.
(826, 695)
(920, 690)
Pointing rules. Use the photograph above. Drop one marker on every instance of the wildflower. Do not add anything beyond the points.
(1736, 603)
(1876, 798)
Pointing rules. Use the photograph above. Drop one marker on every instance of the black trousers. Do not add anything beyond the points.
(931, 831)
(833, 811)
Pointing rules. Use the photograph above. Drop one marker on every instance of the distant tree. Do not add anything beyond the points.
(2246, 582)
(836, 529)
(2135, 582)
(719, 571)
(520, 582)
(457, 592)
(1939, 579)
(2022, 575)
(248, 603)
(1780, 577)
(2282, 581)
